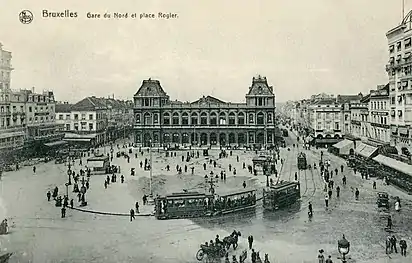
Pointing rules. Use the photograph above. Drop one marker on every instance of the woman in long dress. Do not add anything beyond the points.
(397, 206)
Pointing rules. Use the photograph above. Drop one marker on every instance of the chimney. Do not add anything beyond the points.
(32, 89)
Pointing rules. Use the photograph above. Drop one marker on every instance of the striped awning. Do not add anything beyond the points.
(365, 150)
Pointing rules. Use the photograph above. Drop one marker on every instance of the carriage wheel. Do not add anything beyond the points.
(200, 254)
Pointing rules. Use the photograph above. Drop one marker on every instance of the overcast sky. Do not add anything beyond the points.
(214, 48)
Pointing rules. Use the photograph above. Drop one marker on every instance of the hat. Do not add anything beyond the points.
(321, 250)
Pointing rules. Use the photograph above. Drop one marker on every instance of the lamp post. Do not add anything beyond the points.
(150, 199)
(343, 248)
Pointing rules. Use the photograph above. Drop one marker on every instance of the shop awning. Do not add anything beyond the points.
(57, 143)
(327, 140)
(394, 164)
(365, 150)
(344, 146)
(95, 164)
(77, 139)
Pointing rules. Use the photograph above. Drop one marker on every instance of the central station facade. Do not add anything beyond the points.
(209, 121)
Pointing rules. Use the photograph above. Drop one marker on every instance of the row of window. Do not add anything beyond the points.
(8, 122)
(378, 105)
(407, 44)
(327, 126)
(14, 109)
(328, 115)
(204, 119)
(75, 117)
(84, 126)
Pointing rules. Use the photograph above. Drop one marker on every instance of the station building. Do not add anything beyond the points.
(207, 121)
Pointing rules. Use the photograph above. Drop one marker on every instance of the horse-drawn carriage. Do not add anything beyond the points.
(219, 249)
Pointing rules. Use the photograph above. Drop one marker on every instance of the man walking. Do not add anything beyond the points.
(250, 241)
(131, 215)
(326, 201)
(137, 207)
(403, 246)
(329, 259)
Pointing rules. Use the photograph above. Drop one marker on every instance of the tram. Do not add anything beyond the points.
(281, 195)
(302, 163)
(183, 205)
(234, 201)
(195, 204)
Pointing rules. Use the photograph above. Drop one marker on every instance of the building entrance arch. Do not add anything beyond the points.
(213, 138)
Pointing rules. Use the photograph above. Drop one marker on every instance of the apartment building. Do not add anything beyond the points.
(5, 69)
(379, 128)
(399, 69)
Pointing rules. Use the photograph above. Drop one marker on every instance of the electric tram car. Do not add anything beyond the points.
(281, 195)
(195, 204)
(302, 163)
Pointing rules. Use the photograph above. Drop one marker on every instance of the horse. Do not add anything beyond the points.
(232, 239)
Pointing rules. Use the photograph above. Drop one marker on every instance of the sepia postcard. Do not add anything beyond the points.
(184, 131)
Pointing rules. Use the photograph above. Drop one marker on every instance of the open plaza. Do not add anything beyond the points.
(37, 233)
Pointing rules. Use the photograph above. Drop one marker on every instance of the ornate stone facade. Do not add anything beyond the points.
(206, 121)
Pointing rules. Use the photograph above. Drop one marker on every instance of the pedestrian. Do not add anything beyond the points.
(250, 241)
(237, 158)
(310, 209)
(296, 176)
(321, 257)
(393, 244)
(122, 178)
(63, 212)
(330, 193)
(193, 170)
(244, 184)
(204, 166)
(337, 191)
(374, 185)
(336, 171)
(34, 169)
(105, 184)
(390, 224)
(48, 195)
(234, 171)
(326, 201)
(403, 246)
(87, 185)
(79, 196)
(329, 259)
(341, 168)
(224, 176)
(131, 215)
(144, 199)
(137, 207)
(357, 194)
(71, 203)
(244, 165)
(253, 256)
(344, 180)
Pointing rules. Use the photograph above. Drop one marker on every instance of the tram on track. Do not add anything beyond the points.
(281, 195)
(302, 162)
(195, 204)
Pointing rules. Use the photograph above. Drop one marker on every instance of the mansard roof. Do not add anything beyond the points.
(260, 87)
(208, 100)
(150, 88)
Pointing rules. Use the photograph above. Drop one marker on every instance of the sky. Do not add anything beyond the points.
(214, 47)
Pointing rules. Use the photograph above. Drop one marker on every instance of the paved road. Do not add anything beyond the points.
(38, 234)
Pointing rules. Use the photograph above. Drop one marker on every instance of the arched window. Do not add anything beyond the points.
(194, 118)
(232, 118)
(166, 118)
(175, 118)
(155, 118)
(213, 119)
(147, 119)
(222, 118)
(203, 118)
(185, 118)
(260, 119)
(251, 119)
(137, 117)
(241, 118)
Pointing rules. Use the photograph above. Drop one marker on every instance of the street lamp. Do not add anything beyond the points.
(150, 199)
(343, 248)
